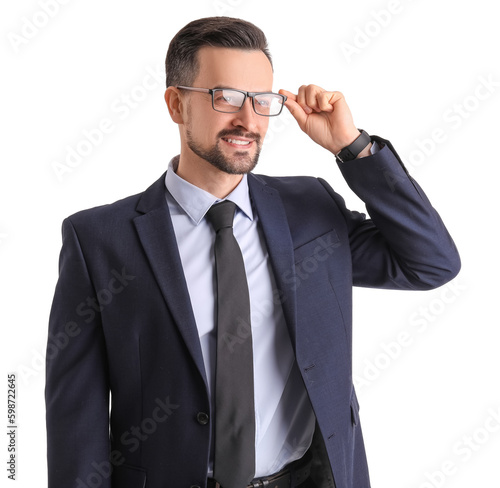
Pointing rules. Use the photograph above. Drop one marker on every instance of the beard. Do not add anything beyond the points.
(240, 163)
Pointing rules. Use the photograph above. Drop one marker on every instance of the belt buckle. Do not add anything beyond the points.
(257, 484)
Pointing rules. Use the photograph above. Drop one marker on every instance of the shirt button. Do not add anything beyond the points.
(202, 418)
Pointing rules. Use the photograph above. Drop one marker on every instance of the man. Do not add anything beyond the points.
(140, 311)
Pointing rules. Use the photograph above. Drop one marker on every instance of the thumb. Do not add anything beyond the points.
(294, 108)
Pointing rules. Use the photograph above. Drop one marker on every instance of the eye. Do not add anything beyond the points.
(263, 102)
(222, 98)
(228, 97)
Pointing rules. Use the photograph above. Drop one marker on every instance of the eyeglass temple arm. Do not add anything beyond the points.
(203, 90)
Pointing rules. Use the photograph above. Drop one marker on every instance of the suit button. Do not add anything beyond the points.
(194, 486)
(202, 418)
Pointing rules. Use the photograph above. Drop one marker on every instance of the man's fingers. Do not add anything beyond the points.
(295, 109)
(323, 115)
(314, 98)
(311, 95)
(309, 99)
(288, 94)
(326, 101)
(302, 99)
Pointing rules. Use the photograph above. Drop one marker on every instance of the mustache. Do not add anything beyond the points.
(239, 133)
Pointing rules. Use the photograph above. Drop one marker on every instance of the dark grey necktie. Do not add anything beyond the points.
(234, 462)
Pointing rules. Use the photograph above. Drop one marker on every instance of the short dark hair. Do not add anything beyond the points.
(181, 63)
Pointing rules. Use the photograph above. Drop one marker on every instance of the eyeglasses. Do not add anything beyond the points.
(229, 101)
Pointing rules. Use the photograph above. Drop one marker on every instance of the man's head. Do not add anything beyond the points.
(182, 63)
(218, 52)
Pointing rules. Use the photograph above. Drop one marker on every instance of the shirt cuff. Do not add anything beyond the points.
(375, 147)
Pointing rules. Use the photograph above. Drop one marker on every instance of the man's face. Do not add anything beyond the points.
(229, 141)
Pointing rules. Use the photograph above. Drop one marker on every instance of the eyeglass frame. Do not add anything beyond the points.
(251, 95)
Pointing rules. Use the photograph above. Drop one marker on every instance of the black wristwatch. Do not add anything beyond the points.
(351, 151)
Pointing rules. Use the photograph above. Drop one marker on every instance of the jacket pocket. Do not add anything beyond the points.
(319, 248)
(127, 476)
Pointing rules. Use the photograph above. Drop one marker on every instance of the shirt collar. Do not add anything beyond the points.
(196, 202)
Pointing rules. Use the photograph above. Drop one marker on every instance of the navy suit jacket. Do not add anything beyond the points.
(126, 391)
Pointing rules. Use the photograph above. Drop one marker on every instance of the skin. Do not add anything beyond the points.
(323, 115)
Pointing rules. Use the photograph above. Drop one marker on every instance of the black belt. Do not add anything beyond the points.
(291, 476)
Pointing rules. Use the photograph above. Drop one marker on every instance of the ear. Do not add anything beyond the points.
(174, 104)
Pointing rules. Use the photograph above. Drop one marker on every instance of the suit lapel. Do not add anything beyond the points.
(157, 237)
(274, 222)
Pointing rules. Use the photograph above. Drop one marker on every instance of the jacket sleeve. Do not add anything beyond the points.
(404, 244)
(76, 390)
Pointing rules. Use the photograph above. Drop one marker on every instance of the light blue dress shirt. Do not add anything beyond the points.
(284, 418)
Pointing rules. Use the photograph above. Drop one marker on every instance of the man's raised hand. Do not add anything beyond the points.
(323, 115)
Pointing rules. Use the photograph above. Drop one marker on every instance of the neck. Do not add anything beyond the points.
(202, 174)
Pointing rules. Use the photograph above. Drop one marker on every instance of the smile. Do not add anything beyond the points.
(237, 142)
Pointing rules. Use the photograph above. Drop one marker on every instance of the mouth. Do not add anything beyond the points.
(238, 142)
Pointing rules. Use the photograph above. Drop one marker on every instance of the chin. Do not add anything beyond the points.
(234, 163)
(237, 168)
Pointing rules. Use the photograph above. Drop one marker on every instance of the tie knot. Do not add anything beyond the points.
(221, 215)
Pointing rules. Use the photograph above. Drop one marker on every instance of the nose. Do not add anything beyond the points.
(246, 117)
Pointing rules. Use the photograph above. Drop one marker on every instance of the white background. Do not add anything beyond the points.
(408, 75)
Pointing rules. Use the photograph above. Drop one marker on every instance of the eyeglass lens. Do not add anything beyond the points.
(232, 101)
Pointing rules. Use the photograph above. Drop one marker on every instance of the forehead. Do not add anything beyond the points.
(235, 68)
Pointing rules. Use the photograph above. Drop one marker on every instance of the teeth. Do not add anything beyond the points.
(237, 141)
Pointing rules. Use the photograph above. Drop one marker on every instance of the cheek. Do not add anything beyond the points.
(204, 128)
(263, 127)
(202, 122)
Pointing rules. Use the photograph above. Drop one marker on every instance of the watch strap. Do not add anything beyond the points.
(351, 151)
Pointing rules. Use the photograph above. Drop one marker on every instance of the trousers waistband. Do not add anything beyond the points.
(291, 476)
